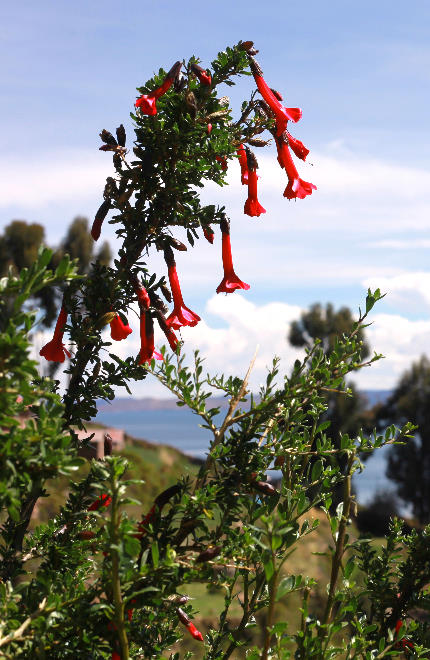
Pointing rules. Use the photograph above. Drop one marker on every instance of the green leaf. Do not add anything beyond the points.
(285, 586)
(155, 554)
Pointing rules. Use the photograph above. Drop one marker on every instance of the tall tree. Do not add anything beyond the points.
(346, 413)
(409, 464)
(79, 244)
(19, 245)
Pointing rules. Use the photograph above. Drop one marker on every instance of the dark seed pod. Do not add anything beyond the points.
(86, 535)
(264, 109)
(277, 94)
(246, 45)
(108, 147)
(254, 66)
(180, 600)
(208, 554)
(121, 136)
(258, 142)
(224, 225)
(251, 159)
(108, 444)
(168, 256)
(264, 487)
(180, 83)
(279, 461)
(183, 618)
(166, 293)
(191, 104)
(111, 190)
(117, 162)
(177, 244)
(175, 70)
(107, 137)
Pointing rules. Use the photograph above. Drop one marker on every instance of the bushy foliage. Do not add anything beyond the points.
(93, 582)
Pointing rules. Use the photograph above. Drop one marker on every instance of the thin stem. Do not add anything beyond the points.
(340, 543)
(116, 582)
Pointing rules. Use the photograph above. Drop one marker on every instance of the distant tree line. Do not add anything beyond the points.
(408, 464)
(21, 240)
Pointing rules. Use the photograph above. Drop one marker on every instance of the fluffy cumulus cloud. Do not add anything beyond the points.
(410, 291)
(233, 328)
(401, 341)
(34, 183)
(228, 336)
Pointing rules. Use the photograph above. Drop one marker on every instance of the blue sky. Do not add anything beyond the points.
(359, 71)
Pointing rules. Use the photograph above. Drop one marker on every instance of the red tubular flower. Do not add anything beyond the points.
(209, 129)
(54, 350)
(115, 656)
(142, 295)
(147, 102)
(296, 186)
(102, 500)
(194, 632)
(118, 330)
(181, 314)
(252, 205)
(297, 147)
(204, 77)
(282, 114)
(209, 235)
(147, 351)
(403, 643)
(243, 164)
(186, 621)
(231, 281)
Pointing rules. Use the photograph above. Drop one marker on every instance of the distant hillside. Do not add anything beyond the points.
(148, 403)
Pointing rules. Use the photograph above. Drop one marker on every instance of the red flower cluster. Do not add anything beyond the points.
(271, 107)
(297, 187)
(282, 114)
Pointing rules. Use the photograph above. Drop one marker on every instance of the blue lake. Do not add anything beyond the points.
(180, 428)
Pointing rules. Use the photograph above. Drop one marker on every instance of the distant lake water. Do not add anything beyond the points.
(180, 429)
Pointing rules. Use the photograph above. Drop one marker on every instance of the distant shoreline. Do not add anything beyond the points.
(148, 403)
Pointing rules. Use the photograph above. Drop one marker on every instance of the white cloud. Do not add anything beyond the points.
(233, 327)
(409, 291)
(401, 341)
(62, 176)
